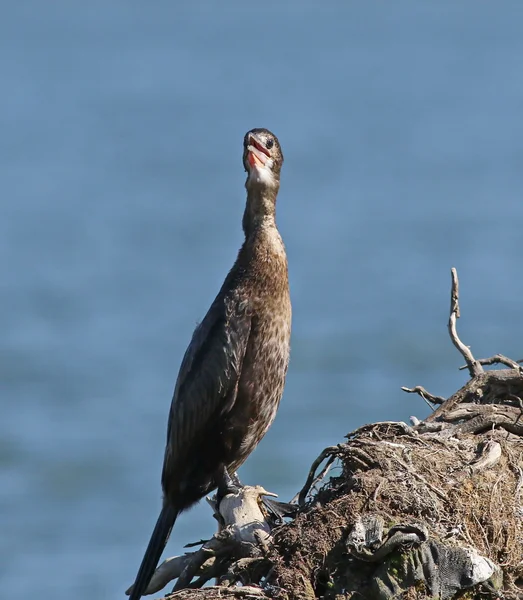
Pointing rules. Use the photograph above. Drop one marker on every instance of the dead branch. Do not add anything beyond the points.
(424, 394)
(329, 453)
(498, 359)
(476, 418)
(472, 364)
(484, 387)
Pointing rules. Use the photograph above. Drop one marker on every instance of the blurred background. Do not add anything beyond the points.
(121, 196)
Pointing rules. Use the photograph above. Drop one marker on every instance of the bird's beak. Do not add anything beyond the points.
(257, 154)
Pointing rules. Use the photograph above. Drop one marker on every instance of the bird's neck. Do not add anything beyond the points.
(260, 210)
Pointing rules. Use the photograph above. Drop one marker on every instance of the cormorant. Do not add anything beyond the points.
(233, 373)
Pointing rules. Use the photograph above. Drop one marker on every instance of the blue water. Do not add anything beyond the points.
(121, 200)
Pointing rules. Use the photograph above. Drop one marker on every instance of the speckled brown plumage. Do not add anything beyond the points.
(233, 373)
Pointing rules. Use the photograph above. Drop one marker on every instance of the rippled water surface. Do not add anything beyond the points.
(121, 200)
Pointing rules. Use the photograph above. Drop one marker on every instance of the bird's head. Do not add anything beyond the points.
(262, 159)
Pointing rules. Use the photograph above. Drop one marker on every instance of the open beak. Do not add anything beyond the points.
(257, 154)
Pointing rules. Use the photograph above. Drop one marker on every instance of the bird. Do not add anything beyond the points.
(233, 373)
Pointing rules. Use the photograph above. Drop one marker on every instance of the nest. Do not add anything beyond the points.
(463, 491)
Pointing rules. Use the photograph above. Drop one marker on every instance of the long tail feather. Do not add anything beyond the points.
(159, 537)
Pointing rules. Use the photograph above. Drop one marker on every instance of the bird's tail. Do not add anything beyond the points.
(159, 537)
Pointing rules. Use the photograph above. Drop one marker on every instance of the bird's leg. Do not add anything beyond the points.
(236, 480)
(227, 484)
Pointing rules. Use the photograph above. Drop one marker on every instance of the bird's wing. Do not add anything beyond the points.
(208, 379)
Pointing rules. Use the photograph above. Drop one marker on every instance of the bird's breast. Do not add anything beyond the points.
(265, 288)
(261, 383)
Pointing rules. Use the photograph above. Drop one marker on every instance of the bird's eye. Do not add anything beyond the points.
(269, 143)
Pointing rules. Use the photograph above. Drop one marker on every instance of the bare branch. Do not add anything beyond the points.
(329, 452)
(476, 418)
(495, 360)
(424, 394)
(472, 364)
